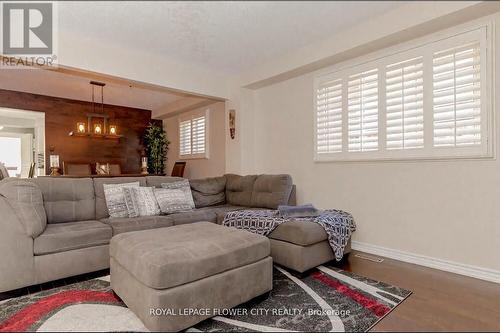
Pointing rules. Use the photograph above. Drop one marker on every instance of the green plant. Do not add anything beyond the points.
(156, 144)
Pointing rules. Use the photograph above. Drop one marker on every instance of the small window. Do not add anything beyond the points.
(457, 96)
(404, 90)
(362, 111)
(193, 135)
(329, 117)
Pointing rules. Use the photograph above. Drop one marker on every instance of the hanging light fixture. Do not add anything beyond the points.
(98, 128)
(97, 121)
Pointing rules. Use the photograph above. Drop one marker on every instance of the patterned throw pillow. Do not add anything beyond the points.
(115, 200)
(185, 187)
(140, 201)
(172, 200)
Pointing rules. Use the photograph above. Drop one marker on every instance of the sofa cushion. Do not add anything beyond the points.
(156, 181)
(196, 215)
(270, 191)
(140, 201)
(62, 237)
(170, 257)
(239, 189)
(67, 199)
(101, 209)
(126, 224)
(302, 233)
(208, 191)
(221, 210)
(26, 201)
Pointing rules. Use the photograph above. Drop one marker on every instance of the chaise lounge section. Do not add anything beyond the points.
(74, 237)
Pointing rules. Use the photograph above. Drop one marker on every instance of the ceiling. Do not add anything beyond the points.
(228, 36)
(231, 37)
(57, 84)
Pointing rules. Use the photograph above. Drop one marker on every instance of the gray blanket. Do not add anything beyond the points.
(339, 225)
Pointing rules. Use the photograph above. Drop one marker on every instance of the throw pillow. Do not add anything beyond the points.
(173, 200)
(208, 191)
(185, 187)
(307, 210)
(115, 200)
(26, 200)
(140, 201)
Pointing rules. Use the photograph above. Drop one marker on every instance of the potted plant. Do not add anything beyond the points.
(156, 146)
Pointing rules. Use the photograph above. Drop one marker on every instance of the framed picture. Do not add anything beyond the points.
(232, 123)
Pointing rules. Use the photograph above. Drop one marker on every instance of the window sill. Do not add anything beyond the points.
(204, 157)
(406, 159)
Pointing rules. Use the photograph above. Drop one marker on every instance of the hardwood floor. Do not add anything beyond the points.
(441, 301)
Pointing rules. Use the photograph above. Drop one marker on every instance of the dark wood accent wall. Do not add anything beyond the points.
(61, 116)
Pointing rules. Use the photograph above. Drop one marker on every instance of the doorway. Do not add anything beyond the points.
(22, 142)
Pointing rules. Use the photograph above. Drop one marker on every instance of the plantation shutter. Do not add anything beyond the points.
(185, 137)
(404, 104)
(198, 135)
(329, 117)
(456, 96)
(428, 101)
(362, 106)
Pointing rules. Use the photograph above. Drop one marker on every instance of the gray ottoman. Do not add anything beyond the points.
(169, 277)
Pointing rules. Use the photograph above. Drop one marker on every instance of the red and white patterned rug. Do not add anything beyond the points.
(327, 299)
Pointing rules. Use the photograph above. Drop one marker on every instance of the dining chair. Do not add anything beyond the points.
(115, 169)
(77, 169)
(178, 169)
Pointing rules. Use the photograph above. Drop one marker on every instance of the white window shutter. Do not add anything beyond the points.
(404, 104)
(185, 137)
(329, 117)
(433, 100)
(362, 99)
(198, 135)
(456, 96)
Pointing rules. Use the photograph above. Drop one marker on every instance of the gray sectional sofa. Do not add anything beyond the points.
(75, 237)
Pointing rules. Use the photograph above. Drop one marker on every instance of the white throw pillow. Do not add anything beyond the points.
(184, 186)
(174, 197)
(113, 193)
(140, 201)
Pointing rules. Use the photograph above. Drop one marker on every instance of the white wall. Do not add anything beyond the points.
(215, 165)
(441, 209)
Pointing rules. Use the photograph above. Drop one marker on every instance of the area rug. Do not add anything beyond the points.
(326, 299)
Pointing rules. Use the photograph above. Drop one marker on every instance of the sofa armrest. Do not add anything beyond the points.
(16, 248)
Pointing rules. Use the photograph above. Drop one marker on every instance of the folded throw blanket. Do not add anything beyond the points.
(306, 210)
(338, 225)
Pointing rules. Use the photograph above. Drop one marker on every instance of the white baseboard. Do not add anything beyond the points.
(417, 259)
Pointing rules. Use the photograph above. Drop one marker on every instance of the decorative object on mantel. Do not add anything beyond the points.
(97, 122)
(54, 165)
(144, 166)
(156, 145)
(232, 123)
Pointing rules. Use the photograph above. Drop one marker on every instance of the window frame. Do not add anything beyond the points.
(189, 117)
(424, 47)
